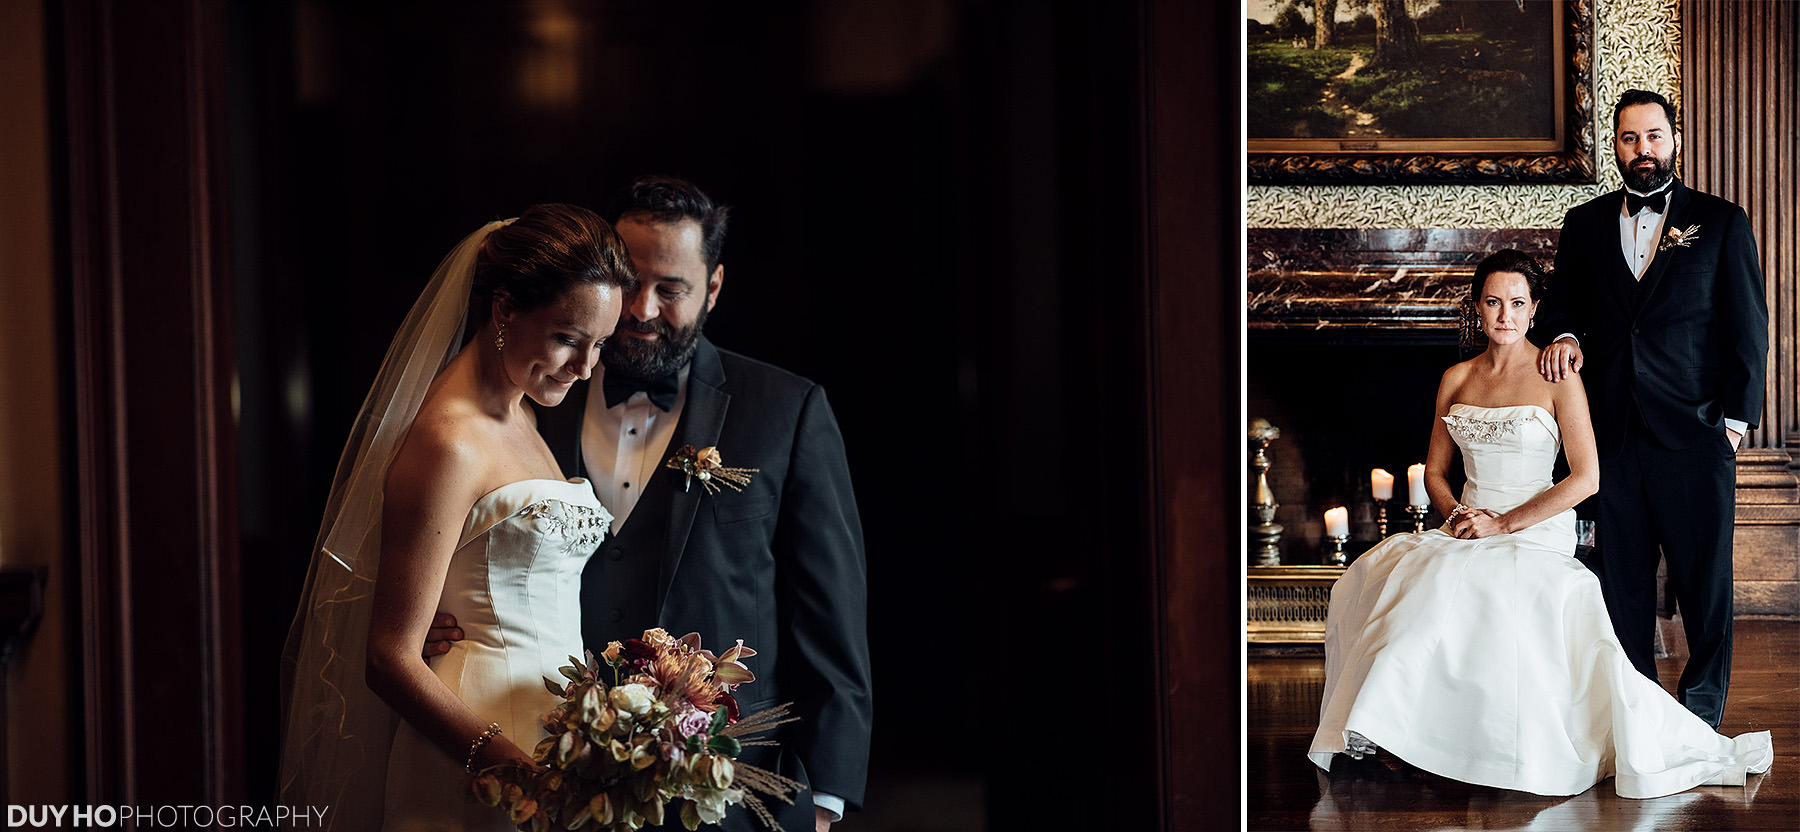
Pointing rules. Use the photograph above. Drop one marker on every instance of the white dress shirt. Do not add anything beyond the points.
(622, 446)
(1639, 232)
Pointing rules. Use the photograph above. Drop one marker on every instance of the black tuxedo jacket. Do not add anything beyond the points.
(779, 565)
(1687, 344)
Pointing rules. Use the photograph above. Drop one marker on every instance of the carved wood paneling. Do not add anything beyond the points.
(1739, 137)
(1739, 142)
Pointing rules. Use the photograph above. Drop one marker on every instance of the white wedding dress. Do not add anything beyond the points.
(515, 588)
(1493, 661)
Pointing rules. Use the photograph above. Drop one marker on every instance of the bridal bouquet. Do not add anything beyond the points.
(667, 728)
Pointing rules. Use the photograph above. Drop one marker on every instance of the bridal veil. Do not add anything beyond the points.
(338, 732)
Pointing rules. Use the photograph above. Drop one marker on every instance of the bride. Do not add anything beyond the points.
(1482, 651)
(446, 498)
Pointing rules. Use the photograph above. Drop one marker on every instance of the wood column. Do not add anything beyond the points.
(1739, 124)
(151, 371)
(1192, 167)
(1740, 138)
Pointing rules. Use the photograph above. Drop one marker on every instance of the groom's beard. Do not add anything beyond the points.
(1645, 180)
(666, 355)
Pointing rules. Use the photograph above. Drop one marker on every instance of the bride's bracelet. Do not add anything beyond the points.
(493, 730)
(1460, 508)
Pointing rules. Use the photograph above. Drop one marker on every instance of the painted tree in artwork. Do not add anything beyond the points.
(1324, 23)
(1396, 36)
(1290, 22)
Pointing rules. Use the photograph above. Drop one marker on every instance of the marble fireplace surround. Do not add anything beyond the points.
(1392, 279)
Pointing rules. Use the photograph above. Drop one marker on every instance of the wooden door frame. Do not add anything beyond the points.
(150, 364)
(1190, 177)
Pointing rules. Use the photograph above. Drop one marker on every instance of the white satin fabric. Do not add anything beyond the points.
(514, 586)
(1493, 661)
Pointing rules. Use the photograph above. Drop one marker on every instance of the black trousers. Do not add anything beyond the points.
(1680, 504)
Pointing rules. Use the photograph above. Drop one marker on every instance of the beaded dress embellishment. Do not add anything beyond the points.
(1482, 430)
(581, 525)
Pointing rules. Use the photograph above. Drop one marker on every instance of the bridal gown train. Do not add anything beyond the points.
(1493, 661)
(515, 588)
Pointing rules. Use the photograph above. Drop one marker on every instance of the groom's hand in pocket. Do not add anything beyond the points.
(442, 633)
(1561, 358)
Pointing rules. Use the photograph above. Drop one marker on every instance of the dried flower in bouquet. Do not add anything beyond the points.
(666, 729)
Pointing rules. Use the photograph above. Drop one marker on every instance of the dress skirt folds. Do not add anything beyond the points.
(1493, 661)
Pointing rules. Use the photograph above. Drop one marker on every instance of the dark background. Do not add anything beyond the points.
(937, 216)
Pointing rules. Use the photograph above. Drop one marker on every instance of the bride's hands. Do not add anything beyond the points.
(1477, 523)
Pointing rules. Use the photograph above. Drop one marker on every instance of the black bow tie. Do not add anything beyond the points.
(1655, 202)
(618, 387)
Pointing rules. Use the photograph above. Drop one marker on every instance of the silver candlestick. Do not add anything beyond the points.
(1418, 513)
(1265, 533)
(1380, 519)
(1335, 555)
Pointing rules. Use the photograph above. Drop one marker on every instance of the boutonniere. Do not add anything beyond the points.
(1677, 238)
(709, 468)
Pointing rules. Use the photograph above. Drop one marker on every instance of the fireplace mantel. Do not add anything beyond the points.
(1373, 280)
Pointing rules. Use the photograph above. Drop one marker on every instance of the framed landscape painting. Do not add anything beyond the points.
(1413, 91)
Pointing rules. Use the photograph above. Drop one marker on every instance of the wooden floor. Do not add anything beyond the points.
(1287, 792)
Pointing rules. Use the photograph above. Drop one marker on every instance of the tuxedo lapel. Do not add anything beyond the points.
(1659, 262)
(702, 420)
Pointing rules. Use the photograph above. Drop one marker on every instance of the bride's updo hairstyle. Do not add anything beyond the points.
(538, 257)
(1508, 260)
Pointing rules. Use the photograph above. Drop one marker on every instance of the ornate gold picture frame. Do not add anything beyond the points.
(1565, 156)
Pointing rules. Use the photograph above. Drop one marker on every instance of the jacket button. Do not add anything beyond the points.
(1634, 331)
(617, 616)
(617, 553)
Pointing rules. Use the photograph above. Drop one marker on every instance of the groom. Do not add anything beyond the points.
(778, 564)
(1659, 298)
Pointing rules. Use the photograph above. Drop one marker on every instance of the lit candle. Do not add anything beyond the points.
(1381, 484)
(1415, 485)
(1337, 522)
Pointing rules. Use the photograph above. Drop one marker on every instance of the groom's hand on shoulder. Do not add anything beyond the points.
(442, 633)
(1561, 358)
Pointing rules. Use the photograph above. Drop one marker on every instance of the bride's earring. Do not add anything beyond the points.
(500, 337)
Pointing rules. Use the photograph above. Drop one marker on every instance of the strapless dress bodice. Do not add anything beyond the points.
(514, 585)
(1508, 452)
